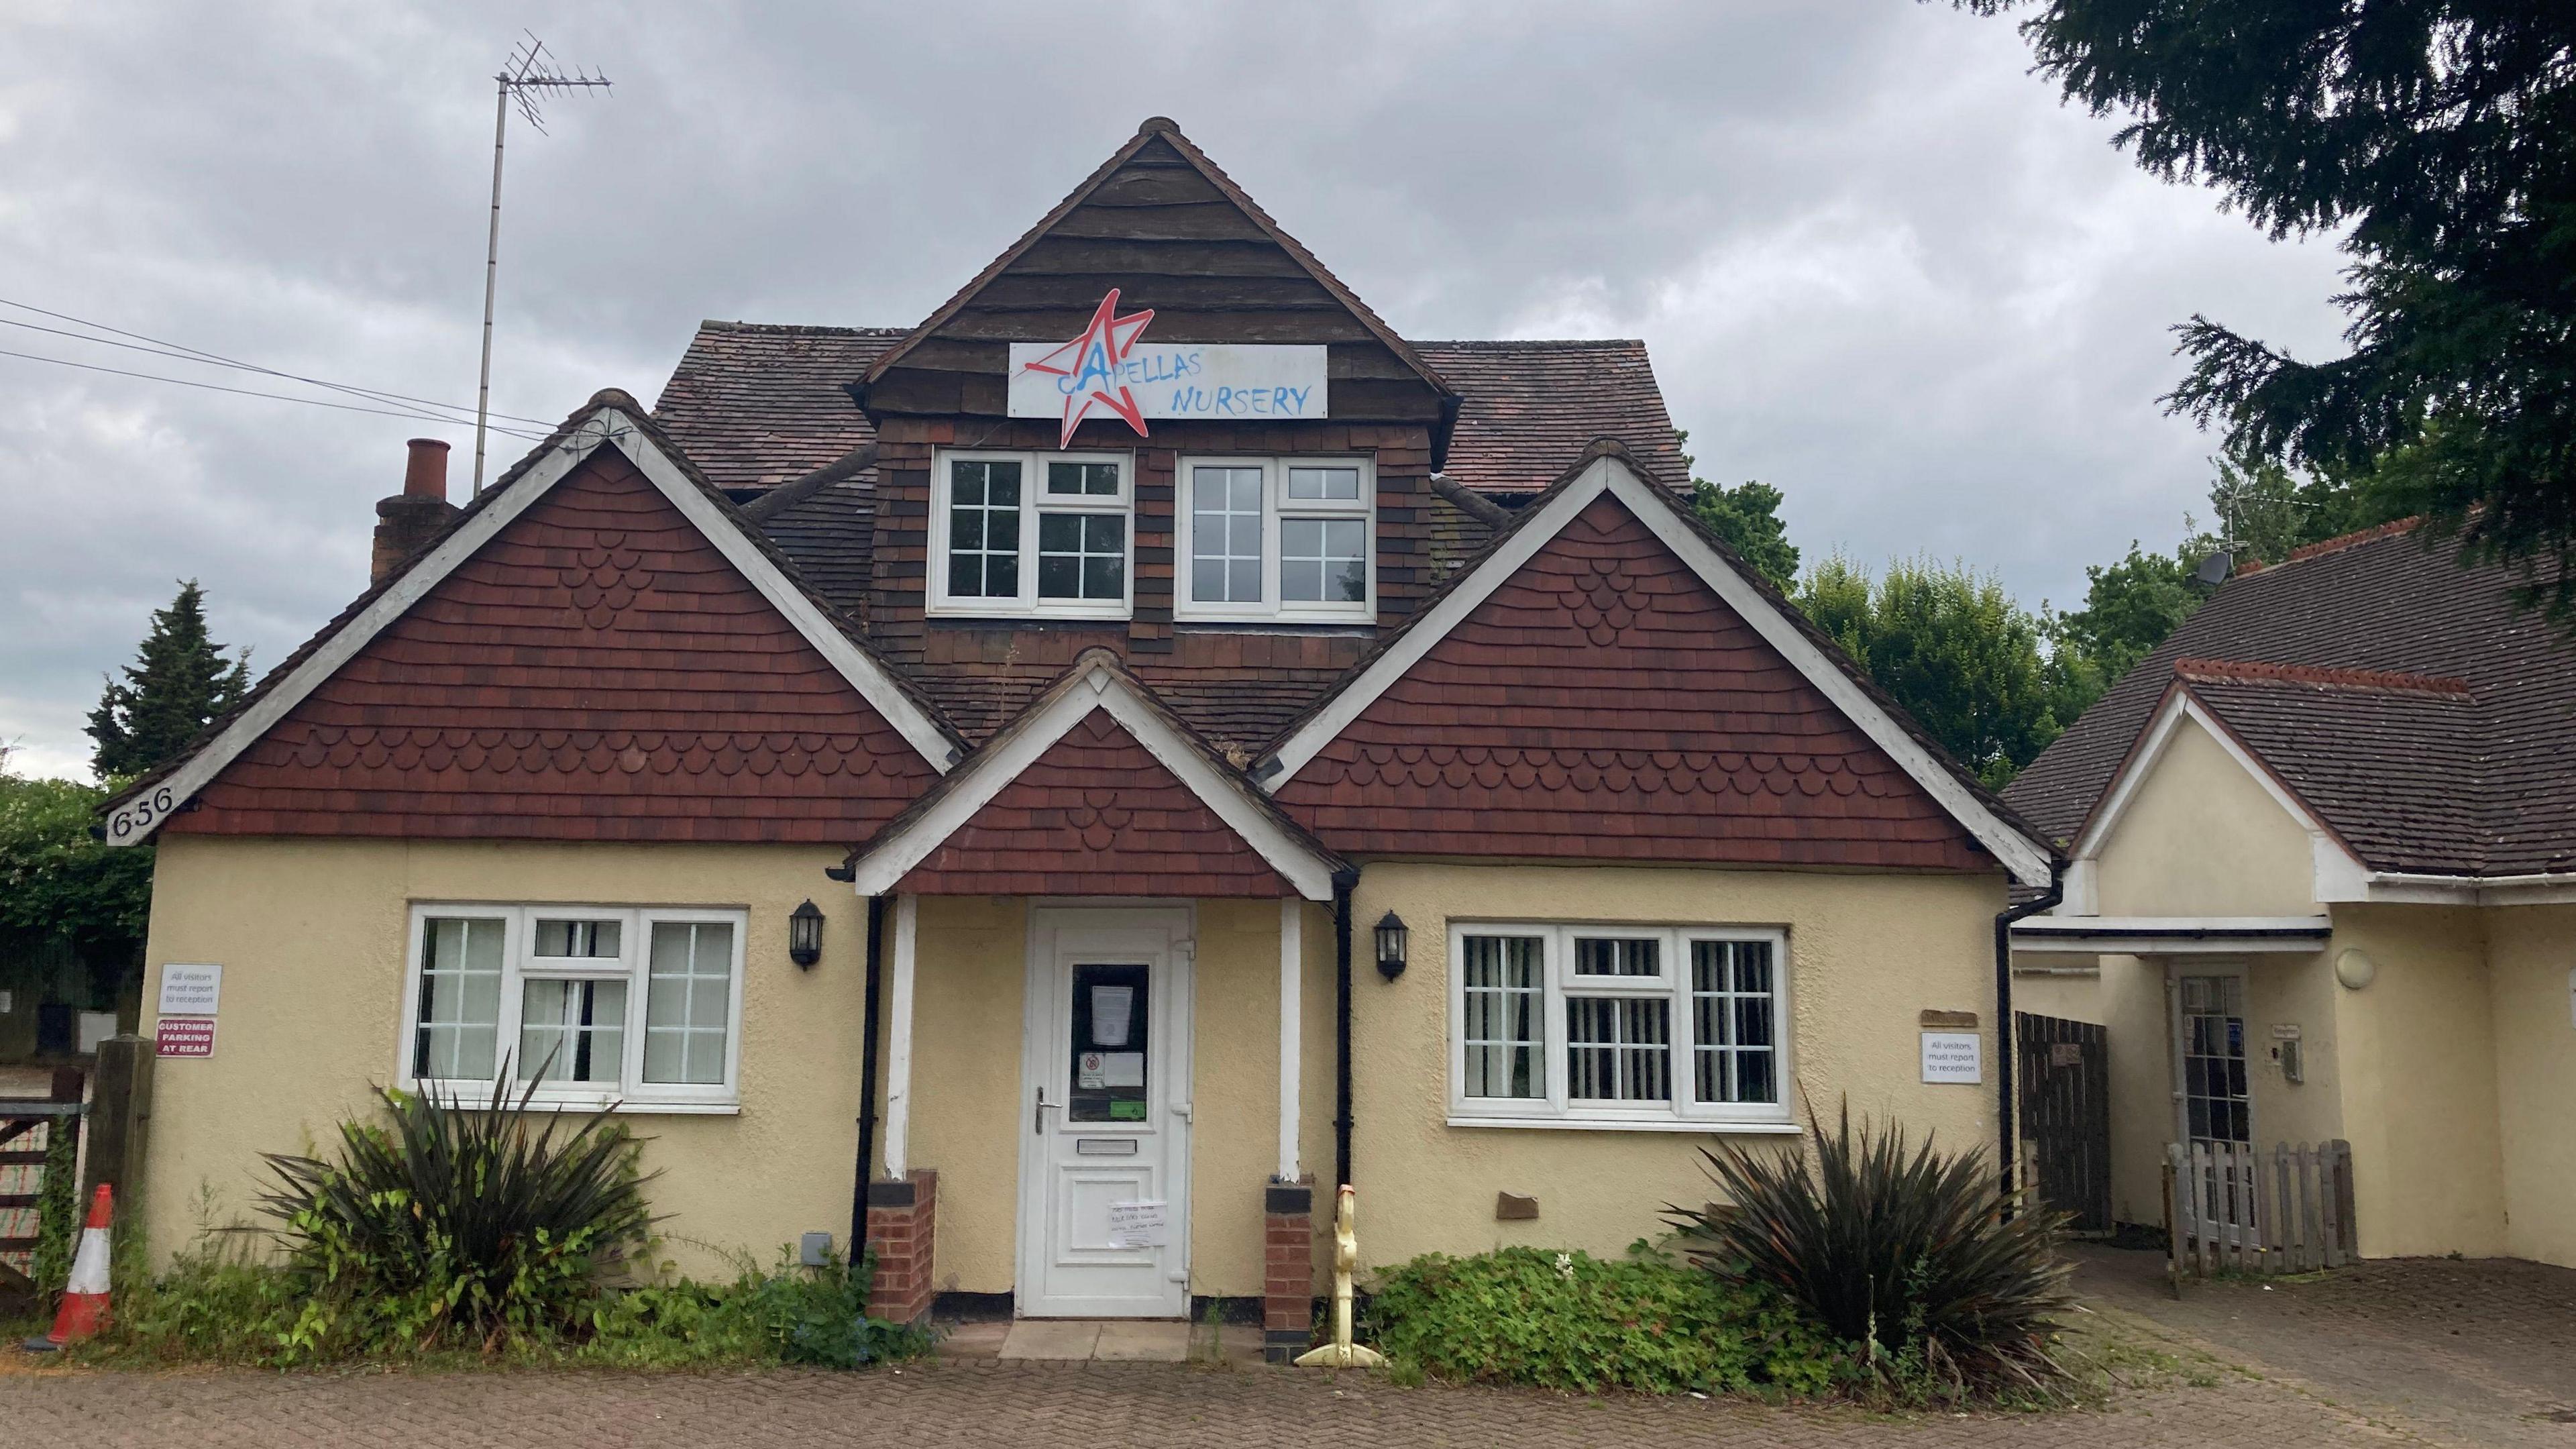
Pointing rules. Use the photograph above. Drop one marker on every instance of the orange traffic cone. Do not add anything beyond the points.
(84, 1310)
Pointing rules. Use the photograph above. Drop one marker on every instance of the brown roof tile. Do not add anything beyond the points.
(755, 404)
(1526, 407)
(2343, 667)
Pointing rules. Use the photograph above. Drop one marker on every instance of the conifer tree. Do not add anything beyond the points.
(179, 682)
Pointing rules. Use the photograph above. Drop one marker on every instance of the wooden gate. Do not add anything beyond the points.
(2065, 1069)
(28, 1129)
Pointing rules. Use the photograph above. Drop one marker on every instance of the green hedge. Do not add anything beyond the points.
(1573, 1321)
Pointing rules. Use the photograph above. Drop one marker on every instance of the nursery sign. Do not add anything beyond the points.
(1111, 368)
(1954, 1056)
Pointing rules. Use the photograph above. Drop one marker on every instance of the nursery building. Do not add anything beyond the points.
(1049, 787)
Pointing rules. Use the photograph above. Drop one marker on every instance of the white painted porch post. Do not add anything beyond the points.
(1292, 956)
(898, 1115)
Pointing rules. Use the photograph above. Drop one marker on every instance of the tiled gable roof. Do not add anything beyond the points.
(2343, 668)
(1526, 407)
(1645, 720)
(756, 404)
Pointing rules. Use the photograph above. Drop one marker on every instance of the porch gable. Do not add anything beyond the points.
(1096, 790)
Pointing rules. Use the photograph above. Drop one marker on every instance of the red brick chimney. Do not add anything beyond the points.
(414, 516)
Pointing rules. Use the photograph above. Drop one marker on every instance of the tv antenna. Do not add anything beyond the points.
(531, 75)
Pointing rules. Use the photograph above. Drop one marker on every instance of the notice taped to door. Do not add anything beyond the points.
(1136, 1223)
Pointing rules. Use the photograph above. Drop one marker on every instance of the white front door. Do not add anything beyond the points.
(1105, 1120)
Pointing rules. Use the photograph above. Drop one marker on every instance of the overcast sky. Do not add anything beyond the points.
(1879, 265)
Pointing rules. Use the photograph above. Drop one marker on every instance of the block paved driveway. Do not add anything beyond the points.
(2433, 1354)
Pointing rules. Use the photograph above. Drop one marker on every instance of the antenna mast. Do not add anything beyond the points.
(531, 75)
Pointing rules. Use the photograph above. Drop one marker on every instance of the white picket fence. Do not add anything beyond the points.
(2232, 1207)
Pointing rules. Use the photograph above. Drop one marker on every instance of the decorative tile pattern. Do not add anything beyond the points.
(598, 672)
(1096, 814)
(1604, 703)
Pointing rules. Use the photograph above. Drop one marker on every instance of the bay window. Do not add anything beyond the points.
(1031, 534)
(590, 1005)
(1611, 1026)
(1276, 539)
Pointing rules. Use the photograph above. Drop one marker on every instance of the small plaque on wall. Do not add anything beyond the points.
(1955, 1057)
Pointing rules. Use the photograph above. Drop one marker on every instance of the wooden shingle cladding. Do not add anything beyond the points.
(1604, 703)
(598, 671)
(1159, 222)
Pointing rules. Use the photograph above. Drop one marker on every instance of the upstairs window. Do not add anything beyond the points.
(1031, 534)
(1285, 539)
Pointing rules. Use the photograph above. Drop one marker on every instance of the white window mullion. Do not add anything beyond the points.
(1553, 961)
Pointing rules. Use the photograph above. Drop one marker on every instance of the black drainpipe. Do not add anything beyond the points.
(2004, 1043)
(1343, 881)
(867, 1086)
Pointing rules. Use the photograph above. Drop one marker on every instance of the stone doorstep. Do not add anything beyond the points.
(1101, 1340)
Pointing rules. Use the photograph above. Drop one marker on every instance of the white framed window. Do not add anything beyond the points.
(1032, 534)
(1676, 1027)
(1287, 539)
(594, 1005)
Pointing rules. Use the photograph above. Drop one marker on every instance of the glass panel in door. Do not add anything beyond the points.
(1109, 1059)
(2217, 1100)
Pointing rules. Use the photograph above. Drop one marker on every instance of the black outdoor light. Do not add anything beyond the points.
(805, 935)
(1391, 937)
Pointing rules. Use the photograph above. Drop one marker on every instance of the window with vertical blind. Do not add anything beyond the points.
(1568, 1025)
(585, 1005)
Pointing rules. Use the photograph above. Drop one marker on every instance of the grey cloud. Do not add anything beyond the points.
(1879, 265)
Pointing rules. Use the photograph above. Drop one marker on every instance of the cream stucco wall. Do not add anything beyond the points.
(2201, 837)
(2533, 954)
(312, 938)
(1866, 955)
(2419, 1076)
(968, 1113)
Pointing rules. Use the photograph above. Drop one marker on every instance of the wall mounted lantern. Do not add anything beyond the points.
(805, 935)
(1391, 937)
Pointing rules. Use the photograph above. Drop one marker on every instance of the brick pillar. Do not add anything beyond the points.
(901, 1216)
(1288, 1269)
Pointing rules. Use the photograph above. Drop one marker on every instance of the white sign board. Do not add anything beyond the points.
(1223, 381)
(1136, 1223)
(1954, 1056)
(190, 990)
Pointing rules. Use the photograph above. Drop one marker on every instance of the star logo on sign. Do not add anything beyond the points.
(1087, 368)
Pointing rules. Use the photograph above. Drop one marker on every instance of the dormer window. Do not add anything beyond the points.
(1276, 540)
(1031, 534)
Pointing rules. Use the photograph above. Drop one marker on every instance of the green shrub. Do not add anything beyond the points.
(1573, 1321)
(459, 1224)
(791, 1315)
(222, 1303)
(58, 1219)
(1905, 1253)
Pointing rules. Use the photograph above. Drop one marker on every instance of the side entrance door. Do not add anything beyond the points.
(2213, 1101)
(1105, 1121)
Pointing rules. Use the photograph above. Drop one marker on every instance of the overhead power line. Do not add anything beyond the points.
(313, 402)
(185, 353)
